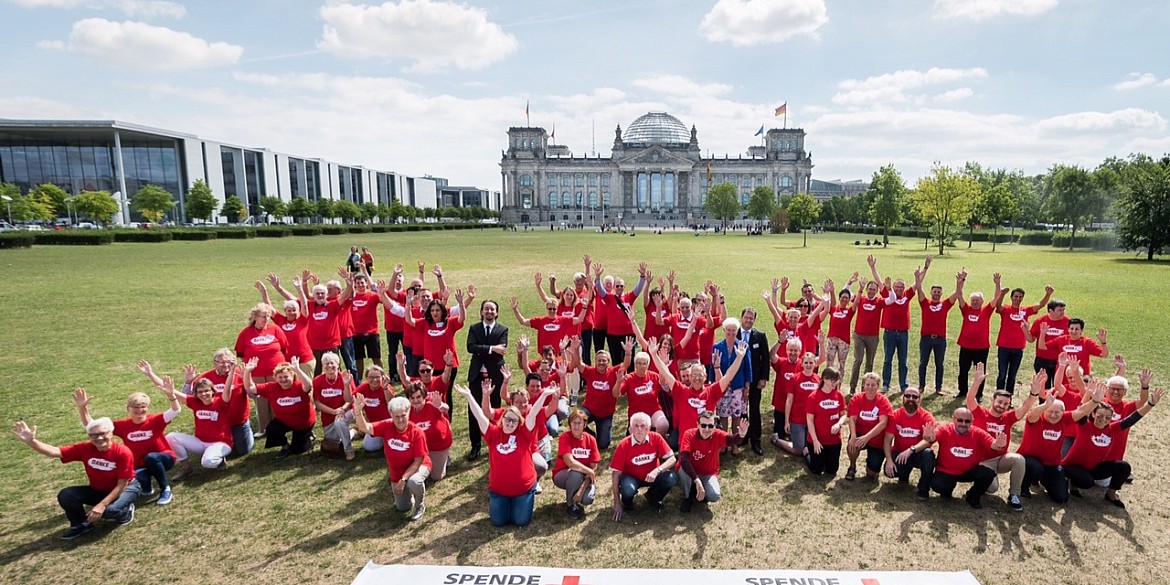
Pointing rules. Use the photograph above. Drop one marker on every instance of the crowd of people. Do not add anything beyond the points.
(694, 374)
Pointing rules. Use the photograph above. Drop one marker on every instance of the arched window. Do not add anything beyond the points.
(580, 199)
(786, 182)
(566, 199)
(605, 199)
(552, 199)
(592, 199)
(526, 180)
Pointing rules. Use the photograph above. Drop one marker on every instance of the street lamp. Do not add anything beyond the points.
(8, 202)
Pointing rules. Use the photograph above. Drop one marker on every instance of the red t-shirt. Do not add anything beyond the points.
(411, 337)
(616, 320)
(1011, 336)
(786, 373)
(290, 406)
(689, 403)
(363, 312)
(1043, 439)
(375, 401)
(642, 393)
(551, 330)
(985, 420)
(1080, 349)
(679, 326)
(240, 408)
(296, 332)
(571, 313)
(597, 311)
(211, 420)
(599, 398)
(344, 321)
(907, 428)
(826, 410)
(976, 330)
(434, 425)
(103, 468)
(1120, 410)
(704, 452)
(868, 413)
(438, 338)
(590, 317)
(839, 321)
(640, 459)
(958, 454)
(896, 316)
(1092, 445)
(869, 314)
(934, 316)
(650, 328)
(331, 393)
(584, 450)
(801, 388)
(143, 439)
(401, 447)
(324, 330)
(394, 323)
(268, 344)
(805, 332)
(1049, 328)
(511, 472)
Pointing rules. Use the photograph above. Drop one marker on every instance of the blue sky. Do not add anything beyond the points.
(428, 87)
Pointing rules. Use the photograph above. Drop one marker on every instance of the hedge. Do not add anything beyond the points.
(1037, 239)
(142, 236)
(274, 232)
(382, 228)
(235, 234)
(334, 230)
(1103, 241)
(16, 240)
(359, 228)
(194, 235)
(74, 238)
(305, 230)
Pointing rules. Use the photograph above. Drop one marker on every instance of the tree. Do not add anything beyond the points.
(99, 206)
(384, 213)
(346, 210)
(762, 204)
(369, 211)
(1072, 197)
(722, 204)
(997, 206)
(780, 221)
(54, 196)
(410, 213)
(301, 208)
(1144, 206)
(233, 209)
(201, 202)
(273, 207)
(325, 209)
(34, 206)
(153, 202)
(804, 209)
(397, 210)
(888, 191)
(945, 200)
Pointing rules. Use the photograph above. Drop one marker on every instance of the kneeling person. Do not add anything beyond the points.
(641, 460)
(698, 459)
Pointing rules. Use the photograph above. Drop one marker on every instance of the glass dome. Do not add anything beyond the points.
(657, 128)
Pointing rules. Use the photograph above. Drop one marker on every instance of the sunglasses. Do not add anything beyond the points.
(425, 371)
(706, 425)
(911, 397)
(964, 420)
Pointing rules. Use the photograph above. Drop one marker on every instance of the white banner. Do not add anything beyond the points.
(375, 574)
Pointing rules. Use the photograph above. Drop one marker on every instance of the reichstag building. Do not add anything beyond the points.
(655, 171)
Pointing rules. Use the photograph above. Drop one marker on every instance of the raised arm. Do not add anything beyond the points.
(274, 280)
(540, 289)
(28, 436)
(81, 401)
(741, 350)
(664, 374)
(979, 374)
(777, 316)
(1048, 290)
(872, 261)
(516, 311)
(148, 371)
(263, 292)
(475, 408)
(359, 416)
(960, 280)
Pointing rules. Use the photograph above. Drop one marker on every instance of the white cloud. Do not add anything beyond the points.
(754, 22)
(146, 9)
(1136, 80)
(954, 95)
(985, 9)
(1129, 120)
(894, 87)
(679, 85)
(433, 35)
(51, 45)
(145, 47)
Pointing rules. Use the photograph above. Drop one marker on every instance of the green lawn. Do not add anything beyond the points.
(79, 316)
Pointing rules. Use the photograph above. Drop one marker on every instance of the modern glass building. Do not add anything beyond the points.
(107, 155)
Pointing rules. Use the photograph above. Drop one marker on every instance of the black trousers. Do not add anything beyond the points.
(276, 435)
(967, 359)
(828, 462)
(754, 423)
(1116, 471)
(1050, 476)
(980, 476)
(393, 342)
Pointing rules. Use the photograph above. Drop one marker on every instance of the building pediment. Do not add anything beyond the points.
(654, 156)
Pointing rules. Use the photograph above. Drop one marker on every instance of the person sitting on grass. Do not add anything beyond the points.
(333, 398)
(145, 435)
(376, 392)
(906, 428)
(961, 446)
(108, 465)
(240, 414)
(212, 440)
(575, 470)
(292, 407)
(407, 457)
(641, 460)
(698, 459)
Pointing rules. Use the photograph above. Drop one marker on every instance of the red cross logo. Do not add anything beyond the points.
(569, 580)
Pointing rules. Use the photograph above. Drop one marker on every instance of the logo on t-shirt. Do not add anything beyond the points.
(358, 303)
(789, 375)
(1055, 332)
(809, 386)
(974, 318)
(323, 315)
(697, 403)
(373, 402)
(1070, 348)
(287, 401)
(868, 415)
(962, 452)
(507, 448)
(644, 459)
(330, 392)
(868, 306)
(552, 327)
(1102, 440)
(1050, 435)
(289, 326)
(840, 314)
(830, 404)
(644, 389)
(263, 339)
(101, 464)
(397, 445)
(582, 453)
(601, 385)
(436, 332)
(210, 415)
(1017, 316)
(994, 428)
(901, 301)
(934, 308)
(909, 432)
(144, 435)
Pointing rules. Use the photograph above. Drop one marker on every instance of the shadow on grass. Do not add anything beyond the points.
(52, 528)
(1141, 261)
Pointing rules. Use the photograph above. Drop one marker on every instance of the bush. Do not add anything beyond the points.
(74, 238)
(16, 240)
(193, 235)
(235, 234)
(273, 232)
(334, 230)
(152, 236)
(381, 228)
(413, 227)
(1103, 241)
(305, 230)
(1036, 239)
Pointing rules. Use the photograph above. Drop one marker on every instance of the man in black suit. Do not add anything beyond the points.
(487, 342)
(761, 368)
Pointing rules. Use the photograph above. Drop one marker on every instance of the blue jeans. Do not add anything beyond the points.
(1009, 366)
(156, 468)
(895, 341)
(242, 440)
(926, 346)
(511, 510)
(629, 485)
(74, 500)
(604, 428)
(347, 357)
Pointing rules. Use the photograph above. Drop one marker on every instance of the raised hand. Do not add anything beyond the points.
(539, 279)
(250, 365)
(80, 398)
(1144, 377)
(437, 271)
(259, 286)
(189, 373)
(168, 386)
(642, 269)
(274, 279)
(1000, 442)
(1101, 333)
(449, 358)
(144, 367)
(628, 345)
(981, 372)
(24, 432)
(871, 260)
(1039, 381)
(295, 362)
(465, 392)
(741, 348)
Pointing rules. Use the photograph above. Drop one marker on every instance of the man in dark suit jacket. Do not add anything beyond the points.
(487, 342)
(761, 368)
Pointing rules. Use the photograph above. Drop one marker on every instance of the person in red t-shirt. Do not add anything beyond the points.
(575, 470)
(906, 428)
(363, 307)
(375, 394)
(212, 439)
(550, 328)
(433, 417)
(1000, 418)
(592, 329)
(333, 399)
(825, 412)
(263, 340)
(1076, 345)
(685, 328)
(109, 467)
(840, 321)
(437, 331)
(934, 326)
(240, 413)
(690, 396)
(1011, 341)
(613, 296)
(1050, 325)
(324, 333)
(294, 320)
(698, 459)
(865, 329)
(407, 459)
(641, 460)
(292, 408)
(961, 447)
(975, 334)
(1088, 460)
(869, 414)
(602, 381)
(1041, 447)
(895, 324)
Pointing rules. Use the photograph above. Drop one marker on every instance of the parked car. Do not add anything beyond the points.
(6, 227)
(31, 227)
(85, 225)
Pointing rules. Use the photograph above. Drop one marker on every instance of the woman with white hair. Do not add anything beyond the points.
(145, 435)
(975, 334)
(733, 404)
(375, 394)
(407, 457)
(212, 440)
(266, 343)
(333, 398)
(324, 331)
(292, 407)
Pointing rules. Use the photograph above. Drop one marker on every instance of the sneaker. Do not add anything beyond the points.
(974, 502)
(851, 474)
(539, 490)
(127, 516)
(575, 512)
(146, 494)
(1015, 503)
(258, 435)
(686, 505)
(222, 465)
(923, 497)
(1116, 502)
(349, 455)
(418, 512)
(776, 439)
(75, 531)
(164, 498)
(284, 453)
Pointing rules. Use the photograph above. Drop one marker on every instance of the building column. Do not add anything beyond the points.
(122, 216)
